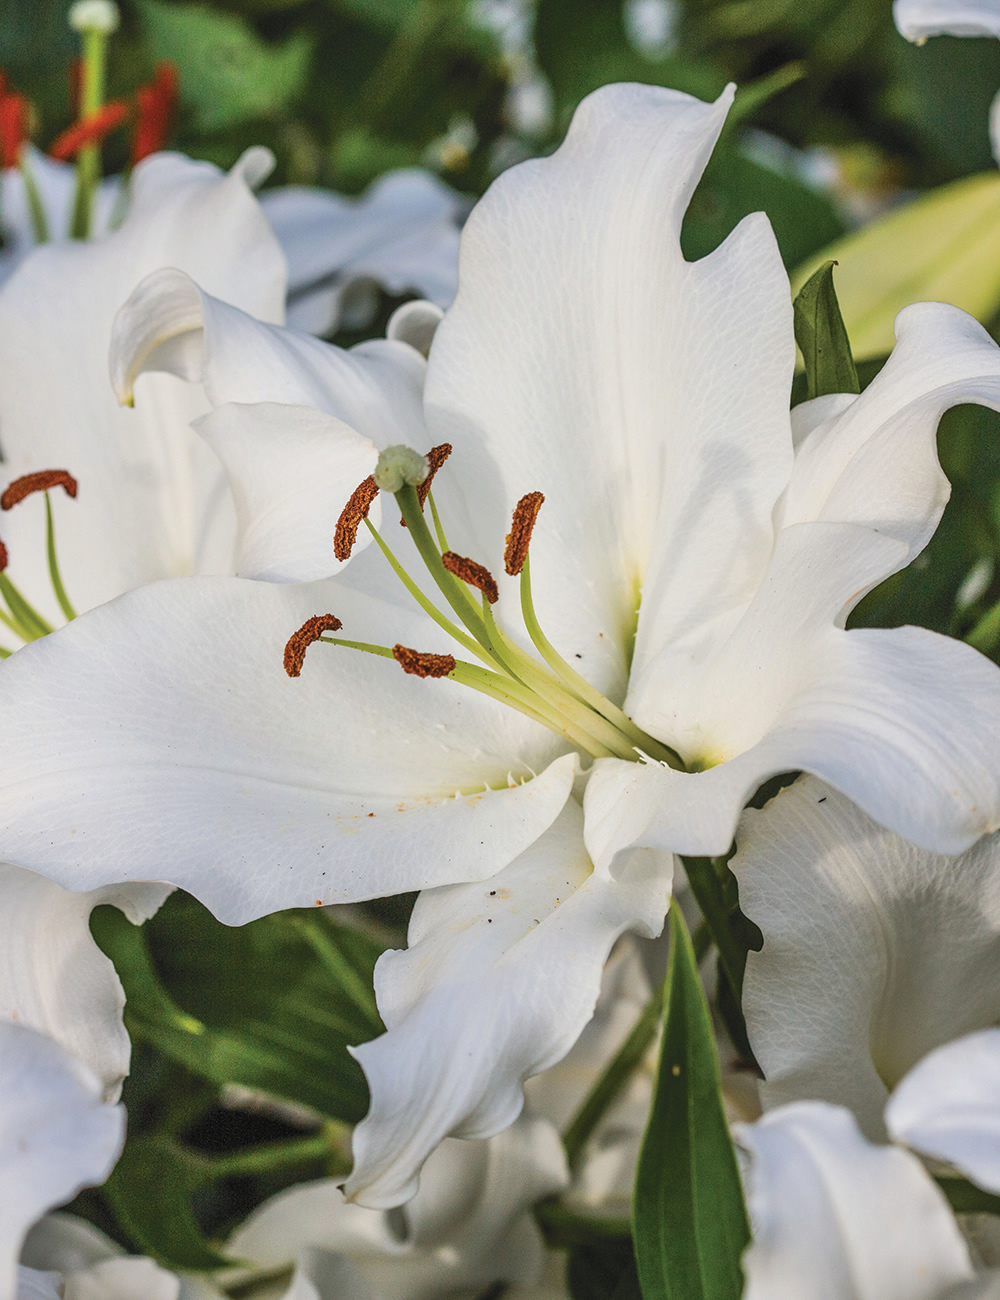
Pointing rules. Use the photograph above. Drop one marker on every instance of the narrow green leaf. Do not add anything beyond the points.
(822, 336)
(150, 1191)
(689, 1218)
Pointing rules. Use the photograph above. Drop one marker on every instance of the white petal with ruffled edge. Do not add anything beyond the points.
(149, 503)
(875, 952)
(646, 396)
(205, 765)
(56, 1136)
(874, 461)
(469, 1226)
(835, 1218)
(170, 324)
(402, 233)
(948, 1106)
(919, 19)
(53, 976)
(502, 976)
(289, 490)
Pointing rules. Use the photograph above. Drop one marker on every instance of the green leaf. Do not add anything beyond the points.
(689, 1218)
(228, 74)
(942, 247)
(822, 337)
(271, 1005)
(150, 1190)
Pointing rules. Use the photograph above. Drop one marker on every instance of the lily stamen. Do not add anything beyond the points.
(40, 481)
(549, 692)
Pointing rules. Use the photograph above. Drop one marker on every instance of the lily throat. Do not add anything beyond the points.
(543, 686)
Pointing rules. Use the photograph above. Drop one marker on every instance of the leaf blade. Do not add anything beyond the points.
(690, 1220)
(821, 335)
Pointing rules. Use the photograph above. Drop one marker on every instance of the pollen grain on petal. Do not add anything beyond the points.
(40, 481)
(346, 532)
(519, 537)
(436, 457)
(475, 574)
(421, 664)
(299, 642)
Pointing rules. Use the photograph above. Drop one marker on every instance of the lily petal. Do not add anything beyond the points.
(919, 19)
(291, 469)
(875, 952)
(835, 1218)
(147, 484)
(402, 233)
(53, 976)
(469, 1226)
(948, 1106)
(56, 1136)
(210, 768)
(502, 976)
(903, 720)
(645, 396)
(170, 324)
(874, 462)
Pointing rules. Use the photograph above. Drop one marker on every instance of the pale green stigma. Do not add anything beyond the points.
(400, 467)
(94, 16)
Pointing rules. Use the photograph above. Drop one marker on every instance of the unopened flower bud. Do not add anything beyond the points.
(94, 16)
(400, 467)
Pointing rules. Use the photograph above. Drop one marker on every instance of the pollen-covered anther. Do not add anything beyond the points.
(299, 642)
(476, 575)
(346, 532)
(40, 481)
(519, 537)
(3, 557)
(421, 664)
(436, 457)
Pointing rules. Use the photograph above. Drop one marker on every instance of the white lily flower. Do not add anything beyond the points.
(875, 952)
(402, 233)
(152, 500)
(837, 1218)
(57, 1135)
(469, 1226)
(647, 399)
(66, 1258)
(919, 19)
(56, 184)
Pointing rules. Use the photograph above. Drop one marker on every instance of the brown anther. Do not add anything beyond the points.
(519, 537)
(436, 457)
(299, 642)
(40, 481)
(476, 575)
(421, 664)
(3, 557)
(346, 532)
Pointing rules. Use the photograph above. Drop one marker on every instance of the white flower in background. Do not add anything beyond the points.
(469, 1226)
(647, 399)
(57, 1135)
(835, 1218)
(66, 1258)
(919, 19)
(875, 952)
(402, 233)
(152, 498)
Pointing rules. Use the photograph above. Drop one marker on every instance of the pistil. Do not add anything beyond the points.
(550, 692)
(95, 20)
